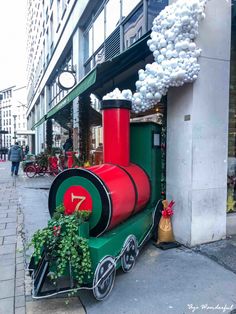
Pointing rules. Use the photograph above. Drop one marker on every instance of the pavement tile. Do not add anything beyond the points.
(4, 203)
(20, 266)
(3, 215)
(7, 288)
(20, 310)
(7, 306)
(7, 232)
(2, 226)
(12, 215)
(20, 274)
(19, 260)
(8, 259)
(11, 225)
(19, 254)
(20, 282)
(6, 220)
(19, 301)
(20, 290)
(1, 240)
(7, 249)
(10, 239)
(8, 272)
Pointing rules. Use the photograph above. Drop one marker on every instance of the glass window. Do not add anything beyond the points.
(154, 8)
(99, 35)
(58, 12)
(128, 6)
(133, 28)
(88, 37)
(112, 16)
(88, 67)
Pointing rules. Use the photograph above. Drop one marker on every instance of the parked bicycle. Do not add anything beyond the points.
(53, 166)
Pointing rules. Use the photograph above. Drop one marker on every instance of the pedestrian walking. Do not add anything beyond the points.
(15, 155)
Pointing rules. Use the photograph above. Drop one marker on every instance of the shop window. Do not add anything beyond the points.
(112, 16)
(133, 27)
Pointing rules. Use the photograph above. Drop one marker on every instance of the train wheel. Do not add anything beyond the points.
(104, 278)
(156, 219)
(30, 171)
(130, 249)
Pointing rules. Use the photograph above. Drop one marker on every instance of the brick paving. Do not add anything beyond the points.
(12, 295)
(23, 210)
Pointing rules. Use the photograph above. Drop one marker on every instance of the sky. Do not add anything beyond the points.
(12, 43)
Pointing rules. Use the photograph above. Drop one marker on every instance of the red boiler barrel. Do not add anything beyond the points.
(128, 190)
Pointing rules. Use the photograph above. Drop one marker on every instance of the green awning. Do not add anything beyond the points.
(82, 86)
(43, 119)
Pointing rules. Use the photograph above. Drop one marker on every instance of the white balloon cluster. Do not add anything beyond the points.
(175, 54)
(117, 94)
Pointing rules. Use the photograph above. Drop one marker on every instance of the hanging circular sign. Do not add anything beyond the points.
(66, 80)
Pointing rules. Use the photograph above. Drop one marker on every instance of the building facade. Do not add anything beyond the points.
(102, 44)
(13, 120)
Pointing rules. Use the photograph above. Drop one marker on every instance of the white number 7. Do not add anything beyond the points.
(81, 198)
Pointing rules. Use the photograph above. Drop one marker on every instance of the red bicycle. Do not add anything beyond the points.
(36, 169)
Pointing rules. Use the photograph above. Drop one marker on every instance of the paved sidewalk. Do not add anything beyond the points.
(12, 295)
(177, 281)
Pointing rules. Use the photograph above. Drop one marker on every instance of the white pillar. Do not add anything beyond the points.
(197, 136)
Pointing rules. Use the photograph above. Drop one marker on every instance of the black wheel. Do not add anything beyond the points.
(130, 252)
(42, 171)
(156, 219)
(104, 277)
(30, 171)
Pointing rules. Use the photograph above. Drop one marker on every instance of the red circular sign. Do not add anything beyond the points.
(77, 198)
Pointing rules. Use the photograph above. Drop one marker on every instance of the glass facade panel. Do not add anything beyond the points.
(128, 6)
(112, 16)
(231, 201)
(133, 28)
(99, 31)
(154, 8)
(88, 39)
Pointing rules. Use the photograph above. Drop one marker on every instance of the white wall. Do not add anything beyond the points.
(197, 149)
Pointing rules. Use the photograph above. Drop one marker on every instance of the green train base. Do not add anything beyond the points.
(116, 248)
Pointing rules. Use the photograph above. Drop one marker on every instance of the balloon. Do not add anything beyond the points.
(175, 54)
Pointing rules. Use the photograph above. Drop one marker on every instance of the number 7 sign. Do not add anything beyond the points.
(77, 198)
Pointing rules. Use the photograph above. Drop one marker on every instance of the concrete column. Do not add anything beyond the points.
(197, 136)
